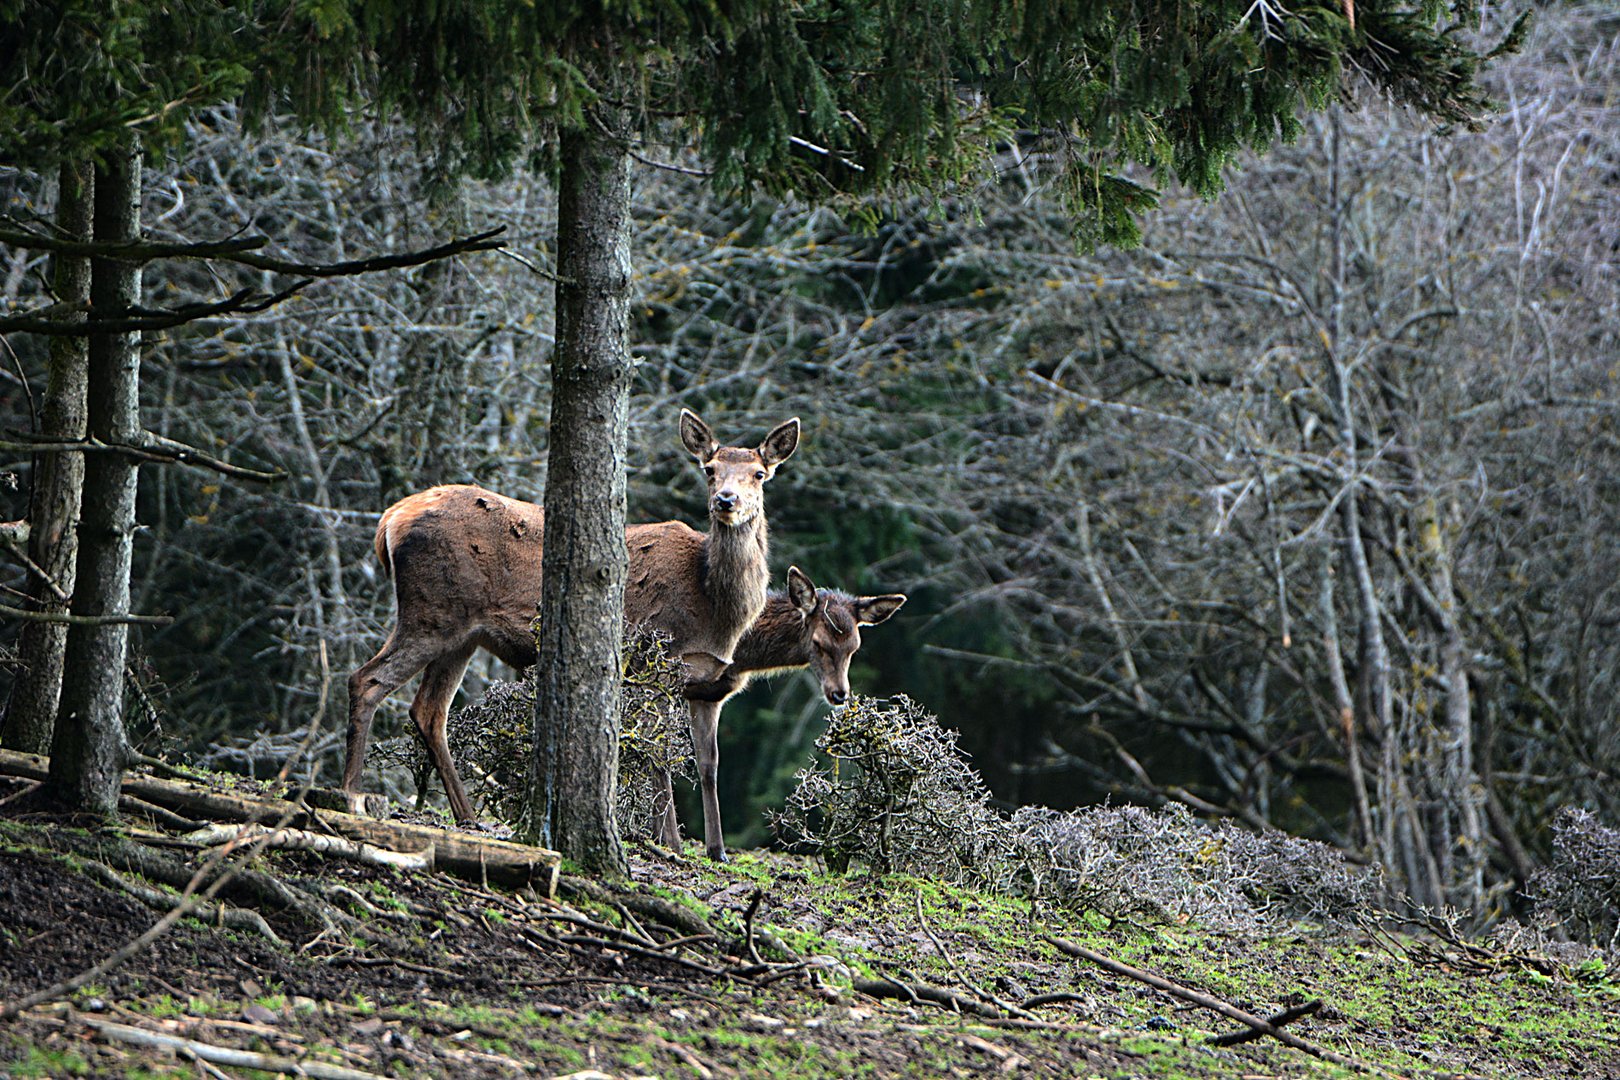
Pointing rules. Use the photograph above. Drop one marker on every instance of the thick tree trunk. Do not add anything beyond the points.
(58, 480)
(88, 751)
(573, 774)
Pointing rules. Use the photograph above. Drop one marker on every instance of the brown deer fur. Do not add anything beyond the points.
(466, 565)
(801, 627)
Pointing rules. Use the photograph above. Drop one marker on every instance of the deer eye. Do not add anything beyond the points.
(708, 470)
(760, 475)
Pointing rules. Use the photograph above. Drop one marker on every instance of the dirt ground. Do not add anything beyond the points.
(437, 977)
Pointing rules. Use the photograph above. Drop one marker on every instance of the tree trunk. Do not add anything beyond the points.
(58, 481)
(87, 753)
(573, 773)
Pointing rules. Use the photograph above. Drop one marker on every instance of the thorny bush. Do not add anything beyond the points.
(492, 738)
(901, 797)
(1579, 888)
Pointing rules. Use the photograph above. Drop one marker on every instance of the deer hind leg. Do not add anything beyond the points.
(706, 750)
(372, 682)
(431, 709)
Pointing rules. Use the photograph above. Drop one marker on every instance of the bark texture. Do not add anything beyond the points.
(89, 747)
(572, 778)
(58, 479)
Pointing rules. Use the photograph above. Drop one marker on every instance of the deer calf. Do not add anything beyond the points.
(466, 566)
(803, 627)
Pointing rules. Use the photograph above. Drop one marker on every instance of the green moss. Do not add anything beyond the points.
(37, 1061)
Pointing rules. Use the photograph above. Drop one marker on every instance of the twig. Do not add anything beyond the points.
(223, 1055)
(1229, 1011)
(148, 446)
(157, 813)
(27, 787)
(1006, 1060)
(748, 924)
(241, 252)
(917, 993)
(241, 302)
(1287, 1016)
(957, 972)
(70, 619)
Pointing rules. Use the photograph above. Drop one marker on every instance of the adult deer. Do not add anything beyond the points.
(466, 569)
(803, 627)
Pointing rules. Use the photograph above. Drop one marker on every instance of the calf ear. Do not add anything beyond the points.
(696, 436)
(780, 443)
(871, 610)
(801, 590)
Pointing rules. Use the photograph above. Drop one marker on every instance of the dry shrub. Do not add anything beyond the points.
(901, 797)
(492, 739)
(1579, 888)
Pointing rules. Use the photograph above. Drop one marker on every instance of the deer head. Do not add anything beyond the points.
(736, 475)
(833, 621)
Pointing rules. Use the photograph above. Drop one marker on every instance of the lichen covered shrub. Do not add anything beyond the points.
(492, 738)
(899, 796)
(1578, 890)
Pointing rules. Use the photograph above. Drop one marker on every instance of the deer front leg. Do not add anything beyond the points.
(706, 749)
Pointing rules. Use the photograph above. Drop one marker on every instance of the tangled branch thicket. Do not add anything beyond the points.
(492, 738)
(1579, 888)
(901, 797)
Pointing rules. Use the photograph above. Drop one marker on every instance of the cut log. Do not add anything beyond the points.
(474, 858)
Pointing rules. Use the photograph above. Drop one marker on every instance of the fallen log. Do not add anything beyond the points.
(474, 858)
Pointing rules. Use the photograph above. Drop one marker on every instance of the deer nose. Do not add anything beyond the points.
(837, 697)
(725, 500)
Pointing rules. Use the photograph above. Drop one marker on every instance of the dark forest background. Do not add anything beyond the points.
(1340, 442)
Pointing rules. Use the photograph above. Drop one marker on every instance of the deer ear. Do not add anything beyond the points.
(780, 443)
(696, 436)
(871, 610)
(801, 590)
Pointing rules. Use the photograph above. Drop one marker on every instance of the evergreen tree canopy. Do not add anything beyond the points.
(836, 98)
(81, 73)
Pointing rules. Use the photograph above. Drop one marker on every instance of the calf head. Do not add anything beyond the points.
(832, 622)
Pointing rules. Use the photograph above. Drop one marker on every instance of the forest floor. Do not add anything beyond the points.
(434, 976)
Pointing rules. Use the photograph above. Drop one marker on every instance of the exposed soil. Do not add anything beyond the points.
(449, 979)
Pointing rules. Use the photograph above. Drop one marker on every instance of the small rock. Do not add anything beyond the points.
(830, 966)
(251, 988)
(734, 895)
(369, 1026)
(399, 1040)
(254, 1013)
(765, 1025)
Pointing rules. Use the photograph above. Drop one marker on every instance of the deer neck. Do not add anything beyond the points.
(736, 573)
(777, 639)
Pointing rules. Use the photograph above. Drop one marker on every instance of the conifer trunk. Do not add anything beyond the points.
(88, 750)
(58, 480)
(574, 770)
